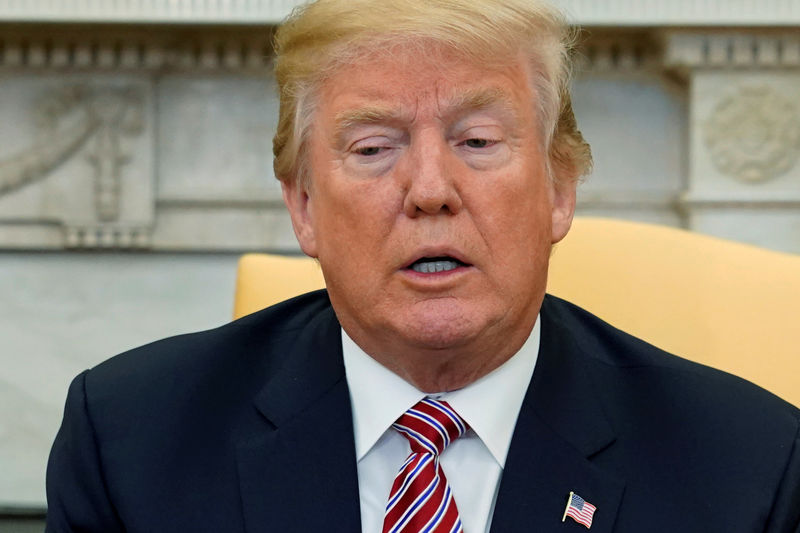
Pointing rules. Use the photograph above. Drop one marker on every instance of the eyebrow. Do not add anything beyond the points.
(365, 116)
(463, 102)
(480, 98)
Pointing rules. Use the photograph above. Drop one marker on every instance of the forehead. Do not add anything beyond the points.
(406, 82)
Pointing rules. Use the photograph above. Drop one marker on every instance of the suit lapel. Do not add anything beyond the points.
(298, 471)
(290, 482)
(561, 426)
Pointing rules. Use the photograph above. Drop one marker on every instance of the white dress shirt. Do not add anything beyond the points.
(473, 464)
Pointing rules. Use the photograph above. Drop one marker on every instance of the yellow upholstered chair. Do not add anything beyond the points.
(263, 280)
(728, 305)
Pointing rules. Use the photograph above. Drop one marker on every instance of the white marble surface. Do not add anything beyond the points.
(635, 124)
(585, 12)
(682, 12)
(180, 11)
(215, 137)
(60, 314)
(775, 227)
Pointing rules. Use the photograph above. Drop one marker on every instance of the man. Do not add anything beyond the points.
(428, 157)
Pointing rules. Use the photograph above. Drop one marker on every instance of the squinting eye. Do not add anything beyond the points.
(368, 150)
(477, 143)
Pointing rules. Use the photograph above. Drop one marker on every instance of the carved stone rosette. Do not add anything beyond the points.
(754, 134)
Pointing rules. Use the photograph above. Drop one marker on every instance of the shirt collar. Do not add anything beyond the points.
(490, 405)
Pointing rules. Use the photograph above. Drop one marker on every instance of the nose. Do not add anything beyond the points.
(431, 178)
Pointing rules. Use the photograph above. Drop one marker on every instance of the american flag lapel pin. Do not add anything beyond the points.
(579, 510)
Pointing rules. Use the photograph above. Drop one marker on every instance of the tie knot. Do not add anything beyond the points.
(430, 426)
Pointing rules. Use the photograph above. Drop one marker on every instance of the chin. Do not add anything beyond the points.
(441, 331)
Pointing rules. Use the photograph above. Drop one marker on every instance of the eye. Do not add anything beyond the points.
(483, 147)
(368, 150)
(477, 143)
(372, 147)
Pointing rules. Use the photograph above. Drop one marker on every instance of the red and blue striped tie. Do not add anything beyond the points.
(421, 499)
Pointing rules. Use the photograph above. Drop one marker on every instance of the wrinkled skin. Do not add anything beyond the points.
(414, 158)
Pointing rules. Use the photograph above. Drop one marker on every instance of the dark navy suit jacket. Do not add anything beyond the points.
(248, 428)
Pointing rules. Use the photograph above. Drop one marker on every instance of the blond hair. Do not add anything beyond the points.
(321, 36)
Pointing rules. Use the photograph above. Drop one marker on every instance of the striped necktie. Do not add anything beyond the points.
(421, 499)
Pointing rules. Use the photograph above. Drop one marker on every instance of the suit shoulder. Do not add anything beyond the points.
(255, 345)
(603, 342)
(612, 352)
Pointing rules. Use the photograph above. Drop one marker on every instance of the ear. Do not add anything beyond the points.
(563, 207)
(300, 206)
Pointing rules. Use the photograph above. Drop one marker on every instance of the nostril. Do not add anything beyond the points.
(433, 209)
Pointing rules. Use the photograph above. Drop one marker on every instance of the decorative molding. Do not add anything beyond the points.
(583, 12)
(148, 11)
(119, 113)
(626, 200)
(40, 51)
(753, 134)
(742, 198)
(261, 200)
(219, 229)
(732, 50)
(690, 202)
(618, 53)
(54, 144)
(682, 12)
(103, 117)
(85, 174)
(101, 236)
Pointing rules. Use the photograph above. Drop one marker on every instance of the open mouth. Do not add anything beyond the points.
(432, 265)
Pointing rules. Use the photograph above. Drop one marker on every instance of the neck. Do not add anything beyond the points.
(445, 369)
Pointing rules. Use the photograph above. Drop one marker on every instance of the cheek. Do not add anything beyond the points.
(516, 226)
(355, 217)
(516, 203)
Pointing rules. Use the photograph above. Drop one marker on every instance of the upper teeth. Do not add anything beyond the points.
(427, 267)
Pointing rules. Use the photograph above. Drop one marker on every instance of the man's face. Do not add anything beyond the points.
(429, 209)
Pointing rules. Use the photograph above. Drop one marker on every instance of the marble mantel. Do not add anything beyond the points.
(611, 13)
(145, 124)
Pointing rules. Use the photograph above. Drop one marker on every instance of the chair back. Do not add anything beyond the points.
(265, 279)
(728, 305)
